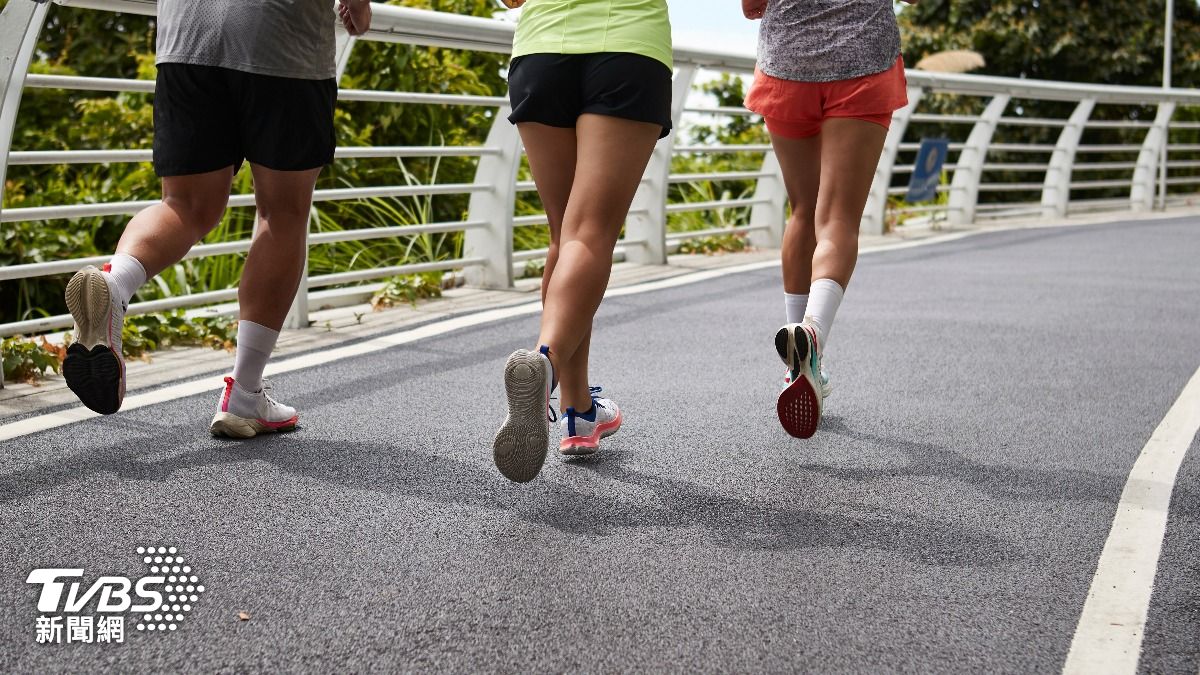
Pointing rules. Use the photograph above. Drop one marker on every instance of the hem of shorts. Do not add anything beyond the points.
(244, 68)
(826, 80)
(306, 167)
(667, 127)
(620, 47)
(177, 171)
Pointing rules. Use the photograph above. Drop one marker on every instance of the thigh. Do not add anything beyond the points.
(551, 154)
(613, 154)
(195, 121)
(850, 150)
(800, 162)
(284, 198)
(200, 198)
(287, 123)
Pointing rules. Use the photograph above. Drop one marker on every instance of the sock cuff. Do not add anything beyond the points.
(829, 286)
(795, 296)
(126, 260)
(256, 336)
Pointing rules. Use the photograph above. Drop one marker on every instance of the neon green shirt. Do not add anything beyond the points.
(591, 26)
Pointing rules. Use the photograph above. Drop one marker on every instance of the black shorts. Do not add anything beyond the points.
(208, 118)
(555, 89)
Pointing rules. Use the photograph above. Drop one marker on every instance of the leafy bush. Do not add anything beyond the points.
(408, 289)
(27, 360)
(148, 332)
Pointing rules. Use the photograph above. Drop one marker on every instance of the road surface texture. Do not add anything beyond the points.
(991, 395)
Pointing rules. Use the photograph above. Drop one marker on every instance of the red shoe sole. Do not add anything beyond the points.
(799, 411)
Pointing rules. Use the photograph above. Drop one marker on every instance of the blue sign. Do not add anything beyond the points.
(927, 172)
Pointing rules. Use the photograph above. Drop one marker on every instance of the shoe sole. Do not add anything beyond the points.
(232, 426)
(92, 370)
(577, 446)
(521, 444)
(798, 407)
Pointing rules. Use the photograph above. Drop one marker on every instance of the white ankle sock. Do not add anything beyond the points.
(128, 275)
(255, 342)
(795, 304)
(823, 300)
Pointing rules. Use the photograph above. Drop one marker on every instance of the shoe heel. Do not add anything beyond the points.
(89, 301)
(232, 426)
(781, 344)
(520, 446)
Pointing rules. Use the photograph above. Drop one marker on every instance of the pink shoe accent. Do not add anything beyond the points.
(592, 441)
(228, 393)
(279, 425)
(106, 267)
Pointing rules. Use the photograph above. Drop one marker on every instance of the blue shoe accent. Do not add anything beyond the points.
(569, 415)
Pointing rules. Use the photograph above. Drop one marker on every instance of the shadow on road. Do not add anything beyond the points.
(597, 497)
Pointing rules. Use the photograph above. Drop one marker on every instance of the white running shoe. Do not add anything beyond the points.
(95, 367)
(245, 414)
(799, 405)
(520, 446)
(582, 432)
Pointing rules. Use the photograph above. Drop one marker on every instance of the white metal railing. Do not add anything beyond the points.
(1045, 177)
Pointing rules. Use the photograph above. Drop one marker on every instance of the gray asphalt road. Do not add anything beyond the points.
(991, 396)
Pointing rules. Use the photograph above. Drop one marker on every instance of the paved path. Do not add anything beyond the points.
(992, 394)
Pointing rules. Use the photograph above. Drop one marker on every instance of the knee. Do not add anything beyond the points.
(196, 212)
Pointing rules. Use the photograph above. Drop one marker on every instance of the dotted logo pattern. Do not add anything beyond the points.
(183, 588)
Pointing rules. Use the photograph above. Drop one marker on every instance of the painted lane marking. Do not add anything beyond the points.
(1108, 638)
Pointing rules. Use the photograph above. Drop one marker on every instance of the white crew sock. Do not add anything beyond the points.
(795, 304)
(823, 300)
(255, 342)
(128, 275)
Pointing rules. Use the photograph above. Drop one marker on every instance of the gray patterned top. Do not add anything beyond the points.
(285, 38)
(827, 40)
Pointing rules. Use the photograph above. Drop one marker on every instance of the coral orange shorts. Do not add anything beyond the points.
(797, 109)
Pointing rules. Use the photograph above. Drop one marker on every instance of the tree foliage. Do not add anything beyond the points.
(1097, 41)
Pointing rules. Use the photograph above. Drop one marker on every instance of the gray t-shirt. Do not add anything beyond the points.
(827, 40)
(285, 38)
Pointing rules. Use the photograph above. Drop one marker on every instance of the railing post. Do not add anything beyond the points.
(297, 316)
(20, 25)
(649, 225)
(1141, 195)
(1056, 189)
(494, 241)
(875, 213)
(772, 211)
(964, 188)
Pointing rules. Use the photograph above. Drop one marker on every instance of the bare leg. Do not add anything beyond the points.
(551, 152)
(276, 260)
(850, 152)
(800, 160)
(614, 153)
(160, 235)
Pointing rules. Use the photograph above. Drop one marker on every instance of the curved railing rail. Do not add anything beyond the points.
(1048, 174)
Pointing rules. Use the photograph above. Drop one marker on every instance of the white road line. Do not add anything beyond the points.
(38, 423)
(1109, 636)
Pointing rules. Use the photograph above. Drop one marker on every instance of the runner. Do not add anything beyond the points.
(236, 81)
(590, 85)
(829, 77)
